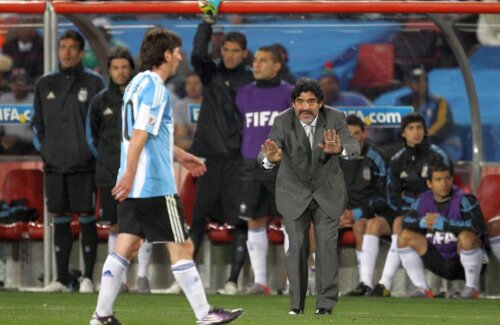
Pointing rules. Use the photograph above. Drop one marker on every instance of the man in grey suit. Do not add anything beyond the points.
(306, 142)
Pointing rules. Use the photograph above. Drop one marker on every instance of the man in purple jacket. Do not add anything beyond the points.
(259, 103)
(443, 232)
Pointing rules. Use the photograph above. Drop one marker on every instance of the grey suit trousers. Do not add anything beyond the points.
(326, 233)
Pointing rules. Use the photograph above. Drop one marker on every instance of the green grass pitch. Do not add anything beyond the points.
(75, 308)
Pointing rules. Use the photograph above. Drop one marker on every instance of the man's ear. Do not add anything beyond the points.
(429, 184)
(167, 55)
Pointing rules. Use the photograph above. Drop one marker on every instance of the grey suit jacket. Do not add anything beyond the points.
(302, 175)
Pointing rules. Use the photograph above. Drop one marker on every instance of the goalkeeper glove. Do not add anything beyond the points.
(209, 8)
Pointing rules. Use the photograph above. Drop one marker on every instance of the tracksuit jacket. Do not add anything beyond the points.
(219, 129)
(104, 127)
(60, 110)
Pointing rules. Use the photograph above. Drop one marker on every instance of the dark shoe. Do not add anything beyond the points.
(220, 316)
(380, 291)
(106, 320)
(323, 311)
(295, 311)
(361, 290)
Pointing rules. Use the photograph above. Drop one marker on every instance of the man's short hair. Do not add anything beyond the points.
(440, 167)
(154, 44)
(274, 51)
(412, 118)
(304, 85)
(74, 35)
(355, 121)
(236, 37)
(120, 52)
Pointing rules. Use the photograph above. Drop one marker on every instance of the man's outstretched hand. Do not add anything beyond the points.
(209, 8)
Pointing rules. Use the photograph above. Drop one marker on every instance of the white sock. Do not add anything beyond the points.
(286, 241)
(391, 263)
(111, 242)
(111, 279)
(143, 258)
(495, 246)
(472, 262)
(369, 256)
(358, 262)
(414, 267)
(257, 251)
(186, 275)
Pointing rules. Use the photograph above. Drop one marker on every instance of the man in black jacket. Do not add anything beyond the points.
(61, 105)
(218, 134)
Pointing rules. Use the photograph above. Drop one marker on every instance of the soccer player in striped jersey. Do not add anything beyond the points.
(149, 206)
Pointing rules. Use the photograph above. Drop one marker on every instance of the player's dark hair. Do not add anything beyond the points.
(120, 52)
(236, 37)
(440, 167)
(154, 44)
(274, 51)
(304, 85)
(74, 35)
(356, 121)
(412, 118)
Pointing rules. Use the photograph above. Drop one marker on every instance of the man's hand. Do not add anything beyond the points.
(209, 8)
(430, 219)
(272, 151)
(332, 142)
(123, 186)
(347, 219)
(193, 164)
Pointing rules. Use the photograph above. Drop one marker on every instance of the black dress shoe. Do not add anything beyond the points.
(294, 311)
(323, 311)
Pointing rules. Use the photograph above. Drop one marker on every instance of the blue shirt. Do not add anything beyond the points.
(147, 107)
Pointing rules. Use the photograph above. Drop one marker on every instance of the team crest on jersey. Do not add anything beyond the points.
(83, 95)
(243, 208)
(367, 175)
(425, 171)
(403, 174)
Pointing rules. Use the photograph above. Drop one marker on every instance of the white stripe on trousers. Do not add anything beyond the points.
(175, 222)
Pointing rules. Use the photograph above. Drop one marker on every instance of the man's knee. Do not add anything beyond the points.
(493, 228)
(468, 240)
(408, 238)
(376, 226)
(397, 225)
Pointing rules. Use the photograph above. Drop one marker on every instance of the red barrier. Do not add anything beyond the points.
(284, 7)
(21, 7)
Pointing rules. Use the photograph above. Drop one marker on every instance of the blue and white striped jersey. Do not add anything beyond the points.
(146, 106)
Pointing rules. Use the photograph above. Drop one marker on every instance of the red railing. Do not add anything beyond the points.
(20, 7)
(260, 7)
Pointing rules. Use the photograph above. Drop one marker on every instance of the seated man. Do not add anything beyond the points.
(365, 179)
(443, 232)
(493, 229)
(406, 180)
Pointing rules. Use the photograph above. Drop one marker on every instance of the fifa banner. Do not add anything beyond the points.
(15, 114)
(379, 116)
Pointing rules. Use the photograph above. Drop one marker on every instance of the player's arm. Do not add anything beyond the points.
(472, 218)
(394, 189)
(413, 221)
(37, 123)
(124, 184)
(193, 164)
(92, 125)
(201, 61)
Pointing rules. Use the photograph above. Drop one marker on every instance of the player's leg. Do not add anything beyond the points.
(493, 229)
(392, 260)
(471, 257)
(58, 203)
(359, 229)
(412, 246)
(169, 226)
(143, 258)
(375, 228)
(115, 265)
(81, 189)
